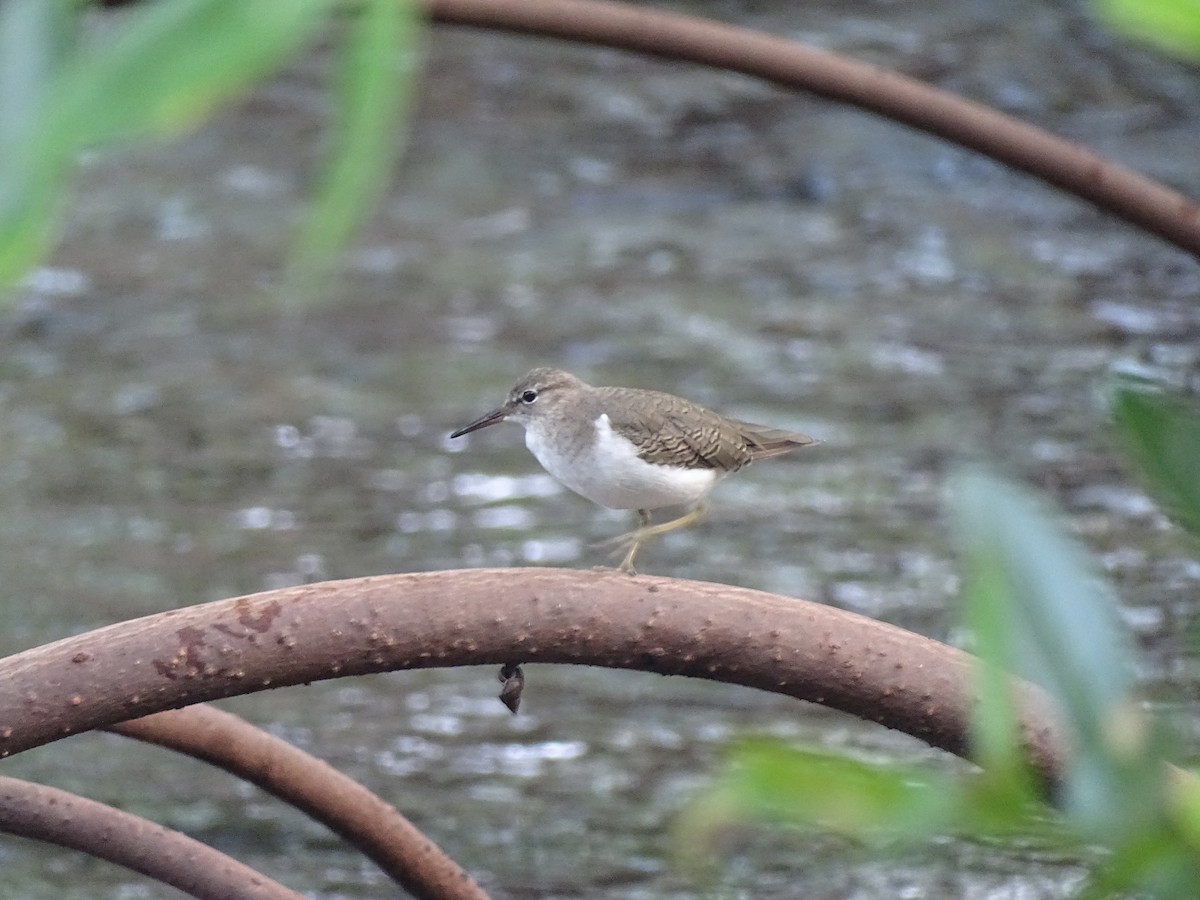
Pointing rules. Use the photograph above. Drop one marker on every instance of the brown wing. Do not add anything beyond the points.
(672, 431)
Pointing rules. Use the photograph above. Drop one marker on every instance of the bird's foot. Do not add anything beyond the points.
(627, 544)
(631, 542)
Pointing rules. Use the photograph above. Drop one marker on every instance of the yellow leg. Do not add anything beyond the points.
(632, 541)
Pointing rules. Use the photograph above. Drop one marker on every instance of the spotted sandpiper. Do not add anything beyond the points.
(626, 448)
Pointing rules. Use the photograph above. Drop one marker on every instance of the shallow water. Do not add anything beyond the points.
(172, 437)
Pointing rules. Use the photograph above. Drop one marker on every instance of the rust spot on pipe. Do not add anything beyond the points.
(187, 660)
(252, 623)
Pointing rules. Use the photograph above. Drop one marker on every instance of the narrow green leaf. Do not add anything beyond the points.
(1162, 433)
(27, 222)
(378, 59)
(34, 34)
(1065, 635)
(991, 620)
(34, 37)
(160, 71)
(172, 62)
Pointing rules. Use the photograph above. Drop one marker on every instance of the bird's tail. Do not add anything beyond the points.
(767, 442)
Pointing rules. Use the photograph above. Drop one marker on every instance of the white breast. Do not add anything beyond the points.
(609, 472)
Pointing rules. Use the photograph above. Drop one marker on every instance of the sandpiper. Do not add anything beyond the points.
(626, 448)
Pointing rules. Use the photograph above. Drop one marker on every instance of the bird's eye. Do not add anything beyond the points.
(528, 396)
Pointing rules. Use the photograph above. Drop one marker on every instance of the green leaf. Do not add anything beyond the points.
(1150, 864)
(1183, 805)
(766, 781)
(837, 793)
(1171, 25)
(375, 78)
(1162, 433)
(1038, 602)
(996, 744)
(162, 69)
(34, 36)
(172, 62)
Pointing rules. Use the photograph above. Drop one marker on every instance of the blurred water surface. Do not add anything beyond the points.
(170, 436)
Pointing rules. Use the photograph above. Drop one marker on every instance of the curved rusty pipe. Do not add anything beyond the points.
(495, 616)
(58, 817)
(314, 787)
(1121, 191)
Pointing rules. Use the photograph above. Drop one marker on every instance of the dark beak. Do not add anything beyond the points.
(496, 415)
